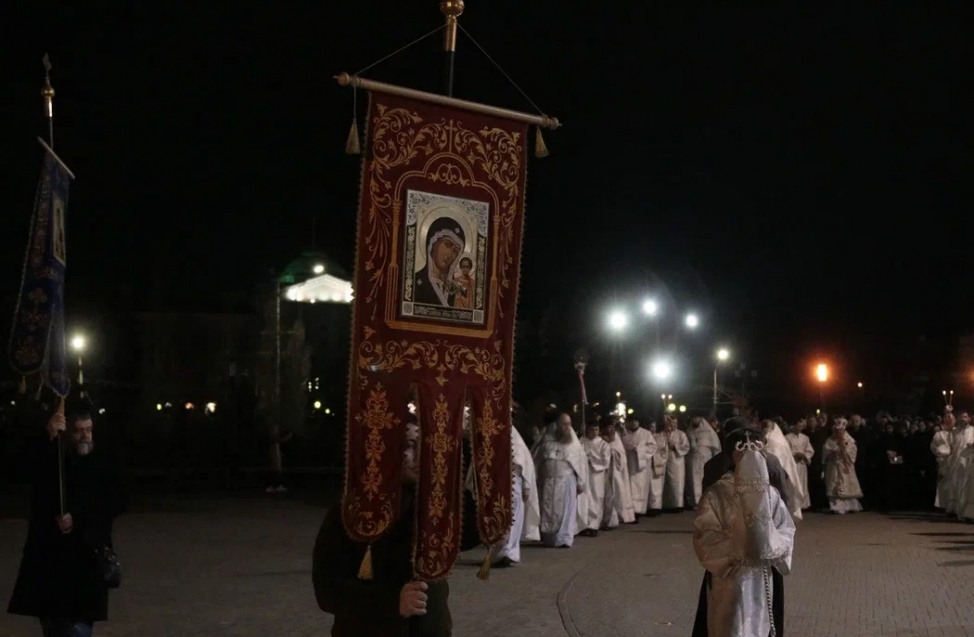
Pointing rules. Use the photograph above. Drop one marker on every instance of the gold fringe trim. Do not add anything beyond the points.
(484, 572)
(365, 569)
(540, 149)
(352, 144)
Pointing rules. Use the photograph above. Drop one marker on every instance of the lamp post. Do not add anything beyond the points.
(723, 355)
(822, 374)
(78, 345)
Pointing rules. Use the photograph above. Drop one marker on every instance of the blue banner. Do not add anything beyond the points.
(37, 342)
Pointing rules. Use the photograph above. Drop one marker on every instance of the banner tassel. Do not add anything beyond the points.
(484, 572)
(365, 569)
(352, 144)
(540, 149)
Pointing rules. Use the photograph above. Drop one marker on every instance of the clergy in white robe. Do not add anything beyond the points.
(674, 488)
(618, 498)
(704, 445)
(940, 447)
(599, 456)
(562, 469)
(803, 452)
(777, 445)
(962, 458)
(744, 536)
(524, 497)
(659, 471)
(640, 446)
(841, 482)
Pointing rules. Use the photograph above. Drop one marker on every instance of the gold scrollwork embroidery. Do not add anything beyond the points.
(375, 417)
(440, 444)
(489, 427)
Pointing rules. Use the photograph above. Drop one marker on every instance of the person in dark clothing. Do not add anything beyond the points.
(736, 430)
(386, 602)
(59, 581)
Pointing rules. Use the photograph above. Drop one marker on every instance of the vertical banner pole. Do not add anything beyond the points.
(451, 9)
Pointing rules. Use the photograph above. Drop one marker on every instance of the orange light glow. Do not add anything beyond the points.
(822, 372)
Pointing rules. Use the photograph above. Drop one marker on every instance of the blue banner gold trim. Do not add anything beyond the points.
(37, 340)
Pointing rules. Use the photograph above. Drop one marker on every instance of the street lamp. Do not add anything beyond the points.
(723, 355)
(650, 308)
(822, 374)
(78, 345)
(618, 320)
(319, 269)
(692, 321)
(662, 370)
(859, 385)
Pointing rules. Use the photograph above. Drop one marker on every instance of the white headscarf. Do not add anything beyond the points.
(762, 542)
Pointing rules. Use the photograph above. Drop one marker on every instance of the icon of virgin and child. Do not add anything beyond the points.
(447, 277)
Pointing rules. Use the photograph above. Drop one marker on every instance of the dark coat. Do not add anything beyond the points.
(58, 577)
(371, 608)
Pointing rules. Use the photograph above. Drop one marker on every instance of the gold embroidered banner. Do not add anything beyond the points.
(436, 282)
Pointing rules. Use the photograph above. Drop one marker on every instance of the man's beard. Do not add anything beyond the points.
(84, 447)
(563, 437)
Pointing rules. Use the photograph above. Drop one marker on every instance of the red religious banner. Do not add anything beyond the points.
(436, 282)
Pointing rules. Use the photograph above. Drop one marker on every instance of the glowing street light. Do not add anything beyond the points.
(822, 372)
(78, 345)
(683, 409)
(671, 407)
(317, 404)
(692, 321)
(723, 355)
(662, 370)
(618, 320)
(859, 385)
(650, 308)
(319, 269)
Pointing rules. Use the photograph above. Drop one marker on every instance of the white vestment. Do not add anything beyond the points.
(742, 530)
(562, 469)
(676, 471)
(704, 445)
(659, 472)
(802, 446)
(841, 483)
(618, 494)
(940, 447)
(777, 446)
(527, 514)
(960, 465)
(640, 447)
(599, 458)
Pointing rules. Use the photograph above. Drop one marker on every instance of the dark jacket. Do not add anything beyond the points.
(371, 608)
(58, 576)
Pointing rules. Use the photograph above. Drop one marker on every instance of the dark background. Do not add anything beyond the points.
(798, 175)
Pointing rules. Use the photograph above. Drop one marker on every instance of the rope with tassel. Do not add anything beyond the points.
(352, 145)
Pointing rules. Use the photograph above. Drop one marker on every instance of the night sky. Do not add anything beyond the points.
(799, 175)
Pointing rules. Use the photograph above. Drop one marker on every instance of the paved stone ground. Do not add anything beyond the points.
(241, 568)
